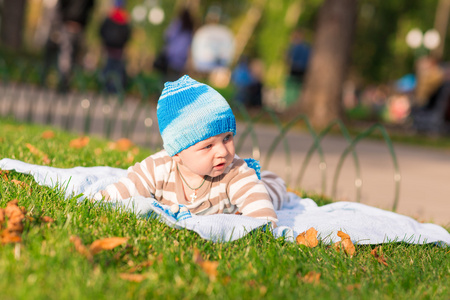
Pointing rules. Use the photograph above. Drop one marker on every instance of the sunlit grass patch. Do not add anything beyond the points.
(157, 261)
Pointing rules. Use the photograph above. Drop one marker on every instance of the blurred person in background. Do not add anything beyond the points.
(247, 79)
(66, 38)
(432, 97)
(298, 56)
(297, 59)
(177, 43)
(213, 45)
(115, 32)
(429, 77)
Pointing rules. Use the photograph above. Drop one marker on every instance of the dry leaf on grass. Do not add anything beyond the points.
(210, 267)
(295, 191)
(132, 277)
(129, 159)
(352, 287)
(380, 258)
(97, 246)
(135, 151)
(80, 142)
(80, 247)
(141, 266)
(345, 243)
(14, 226)
(33, 149)
(47, 219)
(106, 244)
(98, 151)
(311, 277)
(4, 174)
(9, 237)
(308, 238)
(21, 184)
(38, 152)
(122, 144)
(48, 134)
(18, 182)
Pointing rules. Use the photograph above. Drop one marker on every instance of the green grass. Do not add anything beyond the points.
(45, 265)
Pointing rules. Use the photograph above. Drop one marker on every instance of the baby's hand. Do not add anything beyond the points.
(179, 212)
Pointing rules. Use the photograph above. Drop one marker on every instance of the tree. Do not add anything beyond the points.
(321, 99)
(12, 23)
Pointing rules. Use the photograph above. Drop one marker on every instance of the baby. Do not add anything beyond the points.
(198, 167)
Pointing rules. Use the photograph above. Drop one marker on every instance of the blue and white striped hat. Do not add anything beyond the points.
(189, 112)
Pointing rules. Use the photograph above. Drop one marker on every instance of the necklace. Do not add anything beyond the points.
(194, 194)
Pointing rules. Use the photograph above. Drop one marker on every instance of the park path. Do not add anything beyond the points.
(425, 172)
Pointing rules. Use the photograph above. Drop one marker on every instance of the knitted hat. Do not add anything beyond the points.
(189, 112)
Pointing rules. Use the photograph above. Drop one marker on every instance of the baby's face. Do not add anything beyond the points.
(209, 157)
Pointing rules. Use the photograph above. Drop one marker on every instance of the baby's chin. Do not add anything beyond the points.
(218, 170)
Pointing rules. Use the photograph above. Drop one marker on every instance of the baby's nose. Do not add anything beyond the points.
(222, 150)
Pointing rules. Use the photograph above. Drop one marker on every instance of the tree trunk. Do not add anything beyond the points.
(11, 30)
(441, 24)
(327, 70)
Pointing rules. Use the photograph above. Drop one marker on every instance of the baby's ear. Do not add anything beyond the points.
(176, 158)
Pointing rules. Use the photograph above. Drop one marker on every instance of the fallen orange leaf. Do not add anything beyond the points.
(47, 219)
(10, 237)
(38, 152)
(21, 184)
(14, 226)
(18, 182)
(210, 267)
(123, 144)
(4, 173)
(352, 287)
(48, 134)
(80, 247)
(132, 277)
(135, 151)
(106, 244)
(129, 159)
(141, 266)
(379, 258)
(308, 238)
(46, 160)
(196, 257)
(80, 142)
(311, 277)
(33, 149)
(12, 210)
(345, 243)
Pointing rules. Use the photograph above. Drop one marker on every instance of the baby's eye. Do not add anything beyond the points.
(208, 146)
(227, 138)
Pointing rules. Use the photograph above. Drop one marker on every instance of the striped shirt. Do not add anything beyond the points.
(237, 190)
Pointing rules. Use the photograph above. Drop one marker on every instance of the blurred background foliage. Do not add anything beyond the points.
(379, 56)
(380, 53)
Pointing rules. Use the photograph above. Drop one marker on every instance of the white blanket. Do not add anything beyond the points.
(364, 224)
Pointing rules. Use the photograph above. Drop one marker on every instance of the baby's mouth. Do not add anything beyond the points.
(219, 166)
